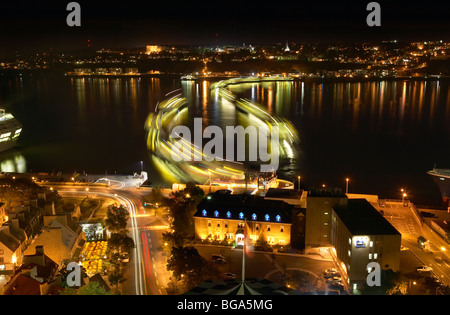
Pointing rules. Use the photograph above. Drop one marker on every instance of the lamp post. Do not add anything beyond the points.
(299, 177)
(346, 185)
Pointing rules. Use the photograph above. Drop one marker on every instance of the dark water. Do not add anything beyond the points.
(383, 135)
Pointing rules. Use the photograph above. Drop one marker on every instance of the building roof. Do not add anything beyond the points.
(283, 193)
(23, 285)
(361, 218)
(326, 192)
(230, 207)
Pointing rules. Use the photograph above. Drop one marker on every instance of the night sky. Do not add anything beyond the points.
(29, 26)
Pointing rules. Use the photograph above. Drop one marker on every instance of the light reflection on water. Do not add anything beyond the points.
(12, 162)
(381, 134)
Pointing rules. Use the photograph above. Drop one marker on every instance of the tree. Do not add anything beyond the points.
(389, 280)
(187, 265)
(120, 242)
(92, 288)
(156, 196)
(398, 288)
(117, 218)
(116, 277)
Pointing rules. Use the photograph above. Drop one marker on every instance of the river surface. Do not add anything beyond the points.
(382, 135)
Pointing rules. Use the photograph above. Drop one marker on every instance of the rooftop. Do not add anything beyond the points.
(229, 206)
(361, 218)
(326, 192)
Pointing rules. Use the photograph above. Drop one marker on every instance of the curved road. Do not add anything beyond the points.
(146, 273)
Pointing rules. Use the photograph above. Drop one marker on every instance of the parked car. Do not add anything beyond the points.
(229, 276)
(333, 280)
(215, 257)
(125, 258)
(424, 269)
(336, 285)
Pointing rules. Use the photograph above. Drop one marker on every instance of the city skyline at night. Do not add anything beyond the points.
(42, 25)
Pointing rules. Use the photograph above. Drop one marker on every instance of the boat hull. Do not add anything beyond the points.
(442, 180)
(7, 145)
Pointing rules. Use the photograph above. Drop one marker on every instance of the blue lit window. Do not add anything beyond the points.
(204, 213)
(278, 218)
(241, 215)
(254, 216)
(267, 217)
(216, 213)
(228, 214)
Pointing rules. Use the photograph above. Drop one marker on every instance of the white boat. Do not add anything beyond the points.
(10, 129)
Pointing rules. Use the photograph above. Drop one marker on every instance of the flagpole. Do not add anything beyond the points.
(243, 253)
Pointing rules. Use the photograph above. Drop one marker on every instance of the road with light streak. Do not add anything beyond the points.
(146, 273)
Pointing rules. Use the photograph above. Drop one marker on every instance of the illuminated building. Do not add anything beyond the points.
(152, 49)
(361, 235)
(319, 204)
(221, 217)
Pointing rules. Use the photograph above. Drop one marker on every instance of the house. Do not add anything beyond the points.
(30, 219)
(3, 214)
(12, 245)
(34, 277)
(62, 238)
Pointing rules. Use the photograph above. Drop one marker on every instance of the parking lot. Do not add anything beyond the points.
(288, 269)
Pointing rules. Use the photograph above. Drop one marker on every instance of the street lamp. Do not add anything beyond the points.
(299, 177)
(346, 185)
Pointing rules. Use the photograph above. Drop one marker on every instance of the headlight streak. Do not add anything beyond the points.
(161, 144)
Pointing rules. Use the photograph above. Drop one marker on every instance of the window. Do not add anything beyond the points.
(267, 217)
(371, 244)
(370, 255)
(204, 213)
(257, 227)
(228, 214)
(209, 223)
(282, 229)
(349, 241)
(349, 253)
(268, 228)
(254, 216)
(218, 224)
(241, 215)
(278, 218)
(226, 224)
(375, 256)
(216, 213)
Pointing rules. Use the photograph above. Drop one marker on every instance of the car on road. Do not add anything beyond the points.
(125, 258)
(229, 276)
(424, 269)
(336, 285)
(334, 280)
(218, 259)
(329, 273)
